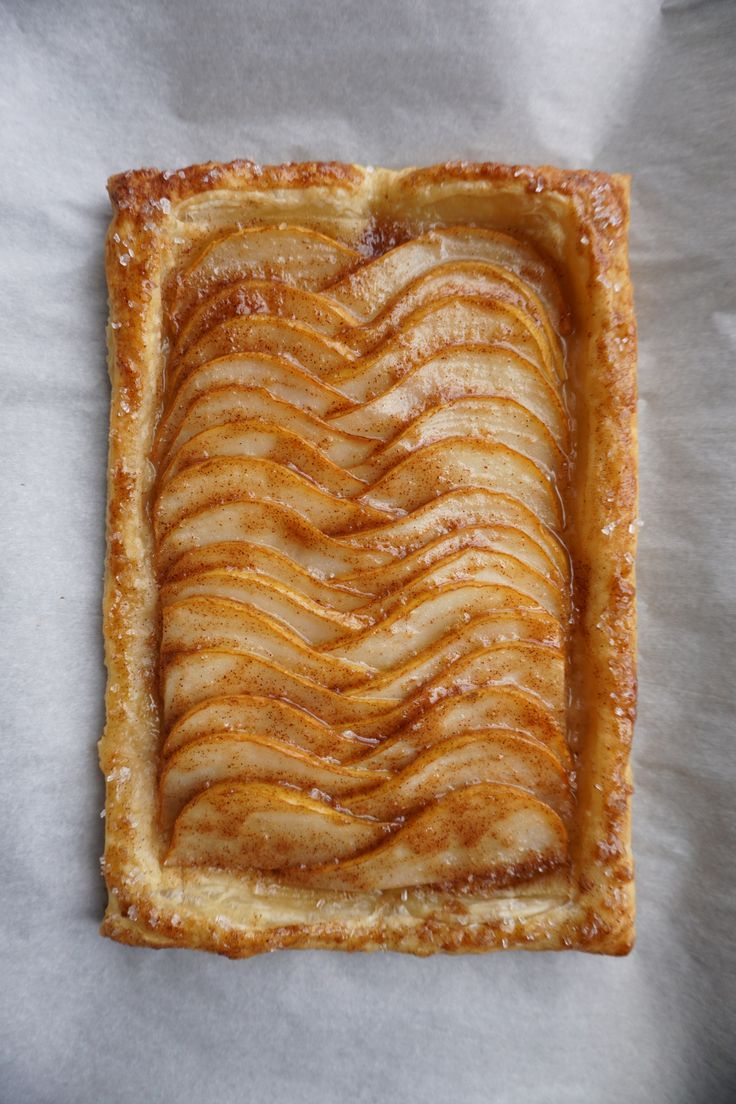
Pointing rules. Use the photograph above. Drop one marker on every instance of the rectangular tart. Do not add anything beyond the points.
(369, 604)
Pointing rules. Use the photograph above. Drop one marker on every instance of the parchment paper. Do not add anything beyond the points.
(90, 89)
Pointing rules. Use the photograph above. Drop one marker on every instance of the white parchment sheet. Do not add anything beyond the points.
(88, 89)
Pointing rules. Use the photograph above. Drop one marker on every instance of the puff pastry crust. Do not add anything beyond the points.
(369, 608)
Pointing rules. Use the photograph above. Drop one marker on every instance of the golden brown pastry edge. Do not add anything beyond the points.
(141, 910)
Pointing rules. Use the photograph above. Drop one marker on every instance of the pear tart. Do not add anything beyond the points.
(369, 608)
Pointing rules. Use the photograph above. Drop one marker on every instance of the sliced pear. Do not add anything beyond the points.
(464, 761)
(278, 518)
(270, 718)
(435, 713)
(538, 669)
(437, 660)
(366, 291)
(430, 331)
(238, 478)
(459, 509)
(421, 722)
(469, 710)
(401, 750)
(290, 254)
(321, 623)
(279, 379)
(410, 629)
(383, 586)
(236, 556)
(476, 279)
(265, 441)
(259, 826)
(285, 531)
(315, 354)
(457, 462)
(191, 677)
(263, 297)
(274, 527)
(391, 578)
(477, 565)
(235, 757)
(464, 319)
(195, 623)
(460, 372)
(255, 405)
(401, 728)
(311, 621)
(498, 833)
(485, 418)
(205, 622)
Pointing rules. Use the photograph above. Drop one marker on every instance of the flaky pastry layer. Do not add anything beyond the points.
(578, 222)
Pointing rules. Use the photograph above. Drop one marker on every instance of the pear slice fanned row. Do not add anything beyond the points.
(361, 469)
(494, 831)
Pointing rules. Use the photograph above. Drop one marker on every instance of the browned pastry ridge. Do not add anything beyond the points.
(369, 604)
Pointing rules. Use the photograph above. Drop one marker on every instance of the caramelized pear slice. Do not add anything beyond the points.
(256, 406)
(205, 622)
(475, 279)
(411, 628)
(441, 709)
(366, 291)
(237, 478)
(237, 757)
(265, 442)
(311, 621)
(284, 530)
(505, 539)
(245, 556)
(466, 711)
(465, 760)
(437, 661)
(263, 297)
(491, 832)
(277, 377)
(477, 565)
(457, 462)
(463, 319)
(191, 677)
(314, 353)
(401, 726)
(486, 418)
(270, 718)
(321, 622)
(383, 585)
(430, 331)
(536, 668)
(195, 623)
(290, 254)
(459, 509)
(277, 374)
(402, 749)
(502, 664)
(458, 373)
(261, 826)
(274, 527)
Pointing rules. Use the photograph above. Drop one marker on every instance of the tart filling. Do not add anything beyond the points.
(459, 348)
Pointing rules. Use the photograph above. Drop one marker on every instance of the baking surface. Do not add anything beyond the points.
(93, 89)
